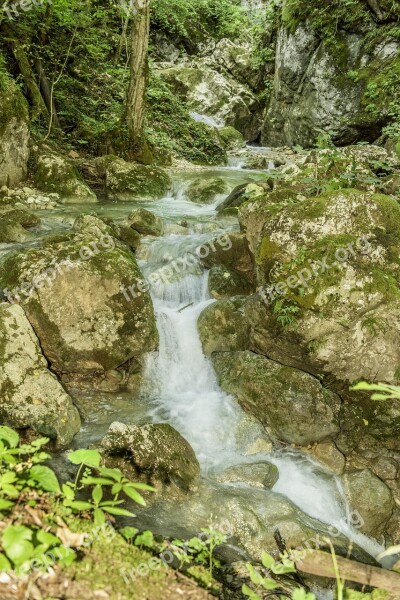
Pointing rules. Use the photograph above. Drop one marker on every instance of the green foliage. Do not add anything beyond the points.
(286, 313)
(382, 390)
(200, 549)
(171, 128)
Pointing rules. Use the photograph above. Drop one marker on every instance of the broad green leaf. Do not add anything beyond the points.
(249, 592)
(134, 495)
(301, 594)
(9, 435)
(45, 537)
(97, 494)
(91, 458)
(267, 560)
(17, 544)
(113, 473)
(5, 564)
(65, 556)
(45, 477)
(128, 532)
(8, 477)
(5, 504)
(119, 512)
(78, 505)
(145, 539)
(99, 516)
(141, 486)
(68, 492)
(96, 480)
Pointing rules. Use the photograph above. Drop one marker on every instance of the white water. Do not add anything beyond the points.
(184, 392)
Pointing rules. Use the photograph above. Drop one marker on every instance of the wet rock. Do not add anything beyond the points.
(108, 322)
(204, 190)
(145, 222)
(225, 283)
(129, 236)
(155, 449)
(55, 174)
(231, 138)
(223, 326)
(14, 132)
(30, 394)
(293, 404)
(126, 181)
(371, 498)
(329, 455)
(261, 475)
(234, 255)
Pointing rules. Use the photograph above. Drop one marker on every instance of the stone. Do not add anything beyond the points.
(224, 283)
(371, 498)
(30, 394)
(145, 222)
(205, 190)
(14, 132)
(235, 255)
(329, 455)
(291, 403)
(155, 449)
(260, 475)
(127, 181)
(108, 322)
(14, 224)
(223, 327)
(231, 138)
(55, 174)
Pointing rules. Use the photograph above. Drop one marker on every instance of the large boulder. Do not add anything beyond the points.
(371, 498)
(56, 174)
(14, 132)
(217, 95)
(204, 190)
(30, 395)
(323, 86)
(15, 224)
(82, 292)
(125, 181)
(224, 283)
(157, 450)
(328, 271)
(291, 403)
(234, 255)
(223, 326)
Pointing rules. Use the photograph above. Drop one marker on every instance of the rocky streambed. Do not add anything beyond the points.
(213, 356)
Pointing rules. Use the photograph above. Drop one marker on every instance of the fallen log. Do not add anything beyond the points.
(320, 564)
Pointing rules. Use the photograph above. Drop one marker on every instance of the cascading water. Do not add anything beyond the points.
(184, 392)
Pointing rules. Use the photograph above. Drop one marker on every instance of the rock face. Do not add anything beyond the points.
(261, 475)
(157, 450)
(55, 174)
(224, 283)
(216, 94)
(320, 86)
(30, 395)
(235, 255)
(14, 133)
(126, 181)
(292, 404)
(74, 291)
(371, 498)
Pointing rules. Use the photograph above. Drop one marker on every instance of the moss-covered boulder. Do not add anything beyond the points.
(157, 450)
(82, 293)
(145, 222)
(224, 283)
(234, 254)
(230, 138)
(54, 173)
(262, 474)
(30, 395)
(223, 326)
(14, 132)
(126, 181)
(293, 404)
(205, 190)
(372, 498)
(15, 223)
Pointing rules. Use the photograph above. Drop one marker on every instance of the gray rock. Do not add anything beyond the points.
(145, 222)
(261, 475)
(223, 326)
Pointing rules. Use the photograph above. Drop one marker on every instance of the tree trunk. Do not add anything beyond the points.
(47, 94)
(135, 106)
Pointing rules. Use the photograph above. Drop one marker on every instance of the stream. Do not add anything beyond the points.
(180, 388)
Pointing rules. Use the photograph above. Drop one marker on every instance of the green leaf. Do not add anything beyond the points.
(68, 492)
(145, 539)
(91, 458)
(267, 560)
(96, 480)
(249, 592)
(47, 538)
(65, 556)
(5, 564)
(17, 544)
(113, 473)
(134, 495)
(78, 505)
(45, 477)
(5, 504)
(141, 486)
(119, 512)
(99, 516)
(128, 532)
(97, 494)
(9, 435)
(301, 594)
